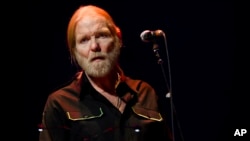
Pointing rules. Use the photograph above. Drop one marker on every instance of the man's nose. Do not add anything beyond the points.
(94, 45)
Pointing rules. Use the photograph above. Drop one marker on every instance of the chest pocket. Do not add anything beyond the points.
(147, 113)
(77, 111)
(72, 115)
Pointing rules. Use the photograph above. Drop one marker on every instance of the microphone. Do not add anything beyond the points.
(148, 35)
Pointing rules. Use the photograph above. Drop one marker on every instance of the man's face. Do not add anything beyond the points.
(96, 51)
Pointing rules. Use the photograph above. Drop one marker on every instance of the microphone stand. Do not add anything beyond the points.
(169, 94)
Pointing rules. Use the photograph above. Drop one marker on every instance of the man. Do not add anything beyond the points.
(100, 103)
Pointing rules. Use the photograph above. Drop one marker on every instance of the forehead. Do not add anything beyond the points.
(91, 24)
(91, 19)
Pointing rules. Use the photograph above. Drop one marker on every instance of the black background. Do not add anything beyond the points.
(200, 41)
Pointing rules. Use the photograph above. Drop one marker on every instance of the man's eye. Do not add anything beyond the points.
(84, 40)
(103, 35)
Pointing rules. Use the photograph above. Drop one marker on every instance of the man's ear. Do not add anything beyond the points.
(118, 32)
(119, 35)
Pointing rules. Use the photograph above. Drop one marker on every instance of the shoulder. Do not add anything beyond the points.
(145, 93)
(138, 84)
(69, 89)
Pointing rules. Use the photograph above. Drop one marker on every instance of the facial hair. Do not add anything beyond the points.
(103, 67)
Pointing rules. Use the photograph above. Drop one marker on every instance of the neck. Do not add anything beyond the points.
(105, 84)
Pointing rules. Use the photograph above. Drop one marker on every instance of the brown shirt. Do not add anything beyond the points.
(77, 112)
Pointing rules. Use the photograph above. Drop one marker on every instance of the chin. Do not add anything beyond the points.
(99, 71)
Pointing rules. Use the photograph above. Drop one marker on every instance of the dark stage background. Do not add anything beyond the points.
(200, 37)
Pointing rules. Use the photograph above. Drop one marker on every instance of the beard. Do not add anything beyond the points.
(100, 68)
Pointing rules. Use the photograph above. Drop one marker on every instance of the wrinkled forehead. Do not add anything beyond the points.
(90, 25)
(90, 21)
(92, 18)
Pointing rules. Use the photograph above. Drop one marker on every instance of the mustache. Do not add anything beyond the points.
(98, 55)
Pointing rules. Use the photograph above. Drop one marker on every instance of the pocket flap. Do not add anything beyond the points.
(77, 115)
(147, 113)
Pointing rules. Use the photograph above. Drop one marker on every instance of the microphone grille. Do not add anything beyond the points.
(146, 35)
